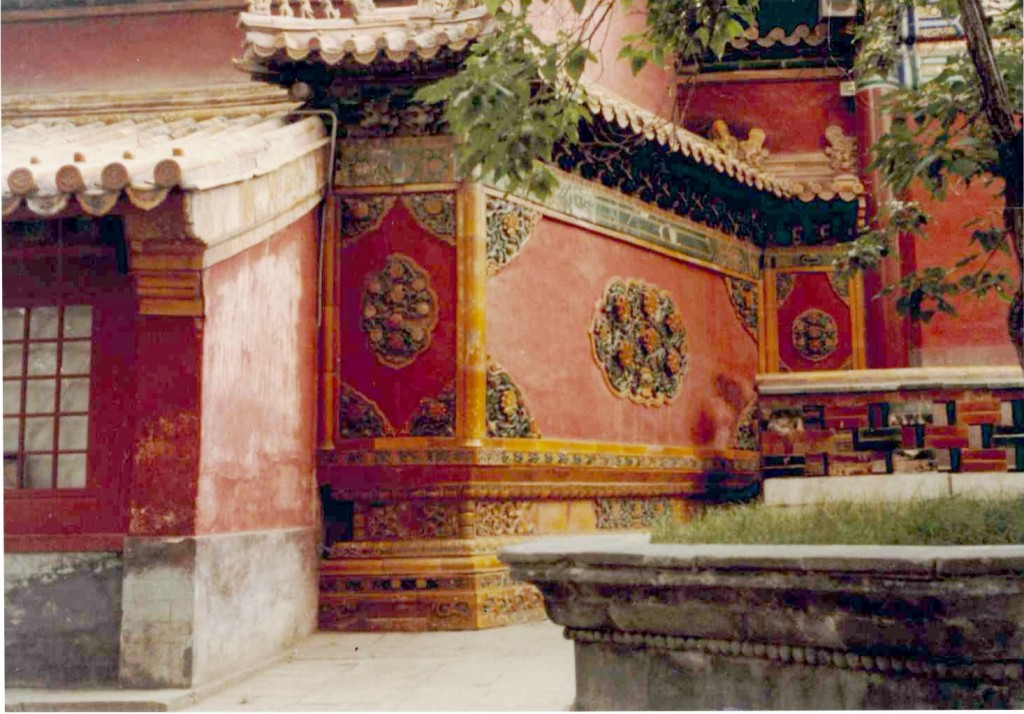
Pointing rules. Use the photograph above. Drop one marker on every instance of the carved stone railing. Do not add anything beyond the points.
(783, 627)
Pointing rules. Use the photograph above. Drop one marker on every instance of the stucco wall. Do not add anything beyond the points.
(259, 383)
(184, 49)
(539, 311)
(977, 335)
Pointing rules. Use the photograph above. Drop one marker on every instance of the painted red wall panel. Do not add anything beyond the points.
(259, 386)
(539, 312)
(168, 362)
(793, 114)
(814, 291)
(129, 52)
(978, 334)
(397, 391)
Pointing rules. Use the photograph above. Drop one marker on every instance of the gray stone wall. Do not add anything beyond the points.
(62, 618)
(256, 597)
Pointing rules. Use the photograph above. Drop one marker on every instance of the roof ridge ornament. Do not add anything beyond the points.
(363, 11)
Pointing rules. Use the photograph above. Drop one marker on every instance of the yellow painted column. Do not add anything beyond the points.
(471, 314)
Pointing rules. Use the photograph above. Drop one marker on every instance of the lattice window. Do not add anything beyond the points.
(47, 365)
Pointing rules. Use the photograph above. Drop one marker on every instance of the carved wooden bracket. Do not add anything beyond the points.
(165, 261)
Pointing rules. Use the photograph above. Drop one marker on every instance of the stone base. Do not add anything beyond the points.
(614, 677)
(62, 618)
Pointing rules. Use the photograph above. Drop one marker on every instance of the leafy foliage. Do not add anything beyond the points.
(940, 135)
(517, 95)
(947, 520)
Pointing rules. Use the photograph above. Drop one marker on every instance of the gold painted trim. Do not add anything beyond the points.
(471, 314)
(627, 238)
(858, 322)
(772, 359)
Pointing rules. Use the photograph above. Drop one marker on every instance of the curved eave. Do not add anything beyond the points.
(47, 165)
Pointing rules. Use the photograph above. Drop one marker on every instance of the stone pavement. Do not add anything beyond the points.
(519, 668)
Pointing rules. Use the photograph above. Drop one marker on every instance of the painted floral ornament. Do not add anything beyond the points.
(814, 335)
(399, 311)
(639, 342)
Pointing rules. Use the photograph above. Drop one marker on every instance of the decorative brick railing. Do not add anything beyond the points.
(892, 421)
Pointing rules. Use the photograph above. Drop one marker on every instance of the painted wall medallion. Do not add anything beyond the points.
(509, 226)
(507, 415)
(399, 311)
(359, 417)
(815, 334)
(639, 342)
(362, 214)
(744, 298)
(435, 212)
(435, 416)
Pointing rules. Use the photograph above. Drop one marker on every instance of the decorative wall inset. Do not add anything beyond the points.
(411, 520)
(435, 415)
(359, 417)
(631, 512)
(507, 415)
(639, 342)
(503, 518)
(434, 212)
(814, 321)
(362, 214)
(509, 226)
(814, 334)
(744, 297)
(399, 311)
(748, 428)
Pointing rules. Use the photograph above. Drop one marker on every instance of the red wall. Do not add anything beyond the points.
(397, 391)
(793, 114)
(539, 311)
(978, 334)
(259, 386)
(814, 290)
(129, 52)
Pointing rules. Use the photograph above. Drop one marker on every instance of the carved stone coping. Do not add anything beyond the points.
(891, 380)
(790, 627)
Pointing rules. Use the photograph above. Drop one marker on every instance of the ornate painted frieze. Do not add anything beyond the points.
(399, 311)
(363, 214)
(784, 284)
(744, 297)
(503, 518)
(750, 150)
(509, 226)
(748, 427)
(395, 161)
(605, 208)
(435, 416)
(408, 520)
(814, 334)
(359, 417)
(631, 512)
(797, 258)
(639, 342)
(507, 415)
(435, 212)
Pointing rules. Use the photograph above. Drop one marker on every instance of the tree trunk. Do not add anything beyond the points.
(1009, 139)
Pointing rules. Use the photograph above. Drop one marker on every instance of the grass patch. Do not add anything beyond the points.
(949, 520)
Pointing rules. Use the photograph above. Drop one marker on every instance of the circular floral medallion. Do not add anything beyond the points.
(399, 311)
(814, 335)
(639, 342)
